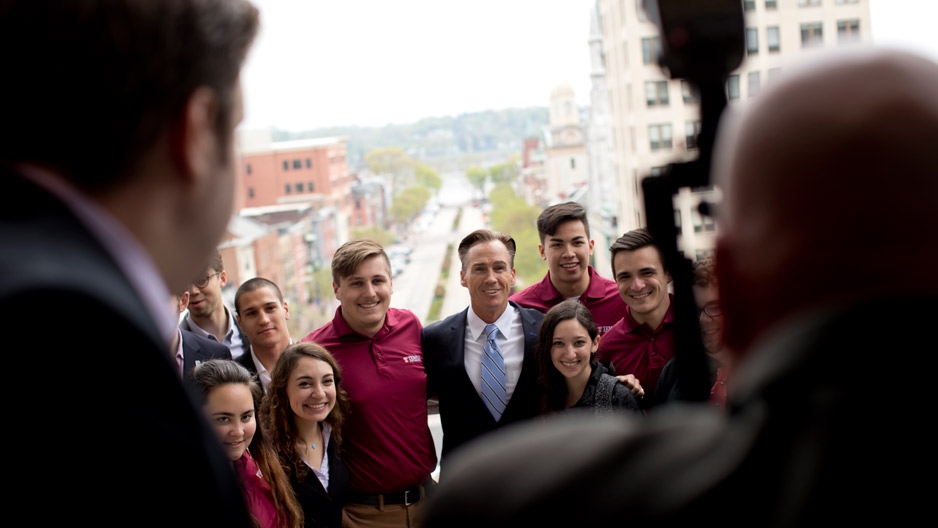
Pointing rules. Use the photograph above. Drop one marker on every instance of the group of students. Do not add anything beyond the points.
(366, 375)
(829, 186)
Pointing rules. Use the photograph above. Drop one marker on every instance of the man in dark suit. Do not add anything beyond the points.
(207, 314)
(825, 258)
(189, 349)
(116, 155)
(453, 349)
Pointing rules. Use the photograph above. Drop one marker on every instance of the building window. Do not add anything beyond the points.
(309, 186)
(774, 73)
(656, 93)
(771, 4)
(752, 41)
(287, 188)
(812, 35)
(651, 50)
(659, 136)
(250, 192)
(690, 94)
(640, 9)
(772, 39)
(658, 171)
(309, 163)
(297, 164)
(804, 3)
(691, 130)
(749, 5)
(732, 87)
(299, 187)
(848, 31)
(701, 222)
(754, 83)
(677, 219)
(247, 169)
(286, 165)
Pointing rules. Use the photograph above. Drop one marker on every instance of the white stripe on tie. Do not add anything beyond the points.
(494, 393)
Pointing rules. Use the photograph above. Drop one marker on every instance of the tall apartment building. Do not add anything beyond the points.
(654, 119)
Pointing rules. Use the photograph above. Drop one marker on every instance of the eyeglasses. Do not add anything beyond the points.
(203, 282)
(712, 310)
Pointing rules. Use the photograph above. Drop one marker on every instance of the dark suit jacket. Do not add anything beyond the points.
(85, 345)
(462, 413)
(825, 420)
(248, 362)
(186, 325)
(322, 509)
(196, 349)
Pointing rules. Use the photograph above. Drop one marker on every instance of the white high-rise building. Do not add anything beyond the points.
(654, 119)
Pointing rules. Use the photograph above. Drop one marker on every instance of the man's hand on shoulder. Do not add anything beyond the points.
(630, 381)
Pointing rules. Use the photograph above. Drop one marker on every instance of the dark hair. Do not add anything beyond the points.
(550, 219)
(255, 284)
(215, 373)
(551, 383)
(485, 235)
(278, 415)
(631, 241)
(351, 254)
(216, 262)
(705, 271)
(116, 73)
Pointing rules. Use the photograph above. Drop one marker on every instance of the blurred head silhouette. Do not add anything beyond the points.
(830, 181)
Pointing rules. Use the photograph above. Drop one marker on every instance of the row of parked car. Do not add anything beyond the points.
(399, 254)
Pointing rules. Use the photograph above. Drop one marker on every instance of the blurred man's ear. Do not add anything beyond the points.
(183, 301)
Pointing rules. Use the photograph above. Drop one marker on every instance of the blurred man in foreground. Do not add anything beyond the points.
(826, 262)
(117, 160)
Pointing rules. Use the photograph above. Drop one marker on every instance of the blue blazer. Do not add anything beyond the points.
(463, 414)
(196, 349)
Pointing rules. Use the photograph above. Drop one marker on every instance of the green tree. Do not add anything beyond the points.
(477, 177)
(379, 235)
(512, 215)
(408, 203)
(427, 177)
(393, 161)
(505, 172)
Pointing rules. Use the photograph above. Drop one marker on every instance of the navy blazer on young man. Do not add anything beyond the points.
(463, 414)
(247, 361)
(102, 389)
(196, 349)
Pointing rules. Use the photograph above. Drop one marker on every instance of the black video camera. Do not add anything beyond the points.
(702, 42)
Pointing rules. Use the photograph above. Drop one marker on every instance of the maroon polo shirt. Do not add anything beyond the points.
(601, 297)
(637, 349)
(387, 441)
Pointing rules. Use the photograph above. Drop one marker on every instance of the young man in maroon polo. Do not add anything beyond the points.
(389, 449)
(643, 341)
(566, 245)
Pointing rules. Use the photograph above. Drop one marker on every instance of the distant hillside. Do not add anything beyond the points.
(440, 141)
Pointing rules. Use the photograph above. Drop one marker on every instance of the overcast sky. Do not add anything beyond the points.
(320, 63)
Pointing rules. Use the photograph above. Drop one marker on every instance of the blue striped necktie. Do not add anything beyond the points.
(493, 374)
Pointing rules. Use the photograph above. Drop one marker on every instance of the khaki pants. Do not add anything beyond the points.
(386, 516)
